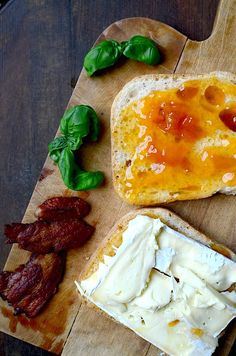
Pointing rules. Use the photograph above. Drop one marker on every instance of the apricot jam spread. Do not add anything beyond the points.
(197, 332)
(181, 139)
(173, 323)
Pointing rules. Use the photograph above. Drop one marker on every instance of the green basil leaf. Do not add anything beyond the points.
(141, 49)
(67, 167)
(88, 180)
(74, 143)
(55, 147)
(73, 177)
(75, 122)
(94, 130)
(78, 122)
(65, 119)
(102, 56)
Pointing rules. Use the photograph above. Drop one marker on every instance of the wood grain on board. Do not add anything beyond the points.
(92, 333)
(54, 323)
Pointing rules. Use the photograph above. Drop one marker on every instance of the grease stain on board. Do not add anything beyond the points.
(71, 193)
(49, 326)
(7, 313)
(45, 173)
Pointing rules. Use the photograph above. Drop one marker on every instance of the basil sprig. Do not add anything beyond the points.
(78, 123)
(108, 52)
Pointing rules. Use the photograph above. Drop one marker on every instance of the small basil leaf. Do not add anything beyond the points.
(73, 177)
(141, 49)
(75, 122)
(102, 56)
(88, 180)
(55, 147)
(78, 122)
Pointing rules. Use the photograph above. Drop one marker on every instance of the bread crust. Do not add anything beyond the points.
(135, 90)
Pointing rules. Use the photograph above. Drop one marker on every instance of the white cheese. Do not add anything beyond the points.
(164, 259)
(132, 263)
(214, 268)
(230, 296)
(203, 346)
(182, 311)
(157, 295)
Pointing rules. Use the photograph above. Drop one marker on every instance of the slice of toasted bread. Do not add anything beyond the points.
(114, 240)
(171, 143)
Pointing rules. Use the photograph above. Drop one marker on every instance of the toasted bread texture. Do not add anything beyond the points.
(169, 143)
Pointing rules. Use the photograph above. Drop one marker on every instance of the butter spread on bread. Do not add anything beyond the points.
(155, 275)
(174, 137)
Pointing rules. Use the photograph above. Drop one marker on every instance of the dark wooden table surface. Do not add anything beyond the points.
(42, 45)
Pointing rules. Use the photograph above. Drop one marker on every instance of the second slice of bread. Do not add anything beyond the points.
(124, 145)
(114, 239)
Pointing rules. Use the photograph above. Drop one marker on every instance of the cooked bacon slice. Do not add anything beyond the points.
(60, 208)
(43, 237)
(31, 285)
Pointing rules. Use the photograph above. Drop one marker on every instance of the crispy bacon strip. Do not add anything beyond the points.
(61, 208)
(43, 237)
(31, 285)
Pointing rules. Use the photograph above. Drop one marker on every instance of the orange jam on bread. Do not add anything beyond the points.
(197, 332)
(173, 323)
(181, 140)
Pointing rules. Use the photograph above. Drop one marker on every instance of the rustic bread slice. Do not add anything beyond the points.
(151, 181)
(114, 239)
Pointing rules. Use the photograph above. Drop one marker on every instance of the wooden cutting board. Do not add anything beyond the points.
(65, 322)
